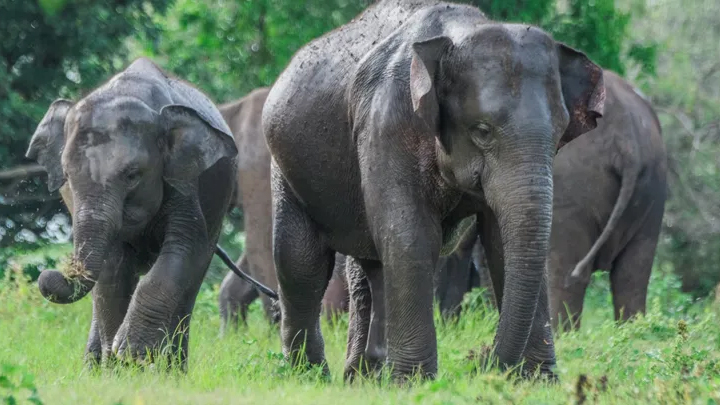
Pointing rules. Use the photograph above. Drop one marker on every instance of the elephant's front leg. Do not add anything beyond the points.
(159, 310)
(407, 234)
(111, 297)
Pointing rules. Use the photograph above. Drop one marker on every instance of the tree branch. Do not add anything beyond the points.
(21, 172)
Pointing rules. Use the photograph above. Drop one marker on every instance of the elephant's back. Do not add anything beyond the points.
(307, 124)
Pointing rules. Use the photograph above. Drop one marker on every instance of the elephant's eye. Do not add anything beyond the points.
(132, 176)
(481, 134)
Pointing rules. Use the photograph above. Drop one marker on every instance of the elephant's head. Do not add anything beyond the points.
(502, 100)
(118, 155)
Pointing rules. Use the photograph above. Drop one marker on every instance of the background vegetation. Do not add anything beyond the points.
(64, 48)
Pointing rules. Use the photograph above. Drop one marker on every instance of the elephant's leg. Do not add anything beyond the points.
(158, 309)
(93, 349)
(409, 237)
(567, 302)
(111, 297)
(376, 348)
(304, 264)
(335, 300)
(481, 274)
(456, 272)
(630, 275)
(491, 240)
(360, 307)
(235, 297)
(567, 293)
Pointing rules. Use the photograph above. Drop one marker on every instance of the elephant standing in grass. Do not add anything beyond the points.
(146, 164)
(390, 136)
(252, 195)
(610, 192)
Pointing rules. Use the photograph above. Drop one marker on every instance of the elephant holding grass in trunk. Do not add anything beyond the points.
(252, 194)
(389, 137)
(146, 164)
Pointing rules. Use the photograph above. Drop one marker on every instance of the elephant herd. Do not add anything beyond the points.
(412, 154)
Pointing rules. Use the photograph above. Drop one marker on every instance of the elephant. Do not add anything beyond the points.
(145, 164)
(390, 136)
(251, 193)
(609, 200)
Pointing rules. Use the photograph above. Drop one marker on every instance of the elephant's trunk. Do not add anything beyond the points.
(522, 204)
(94, 229)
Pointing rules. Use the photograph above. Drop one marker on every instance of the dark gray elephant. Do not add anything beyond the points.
(252, 195)
(146, 164)
(389, 136)
(610, 193)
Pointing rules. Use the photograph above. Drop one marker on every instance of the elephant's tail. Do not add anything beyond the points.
(627, 187)
(228, 262)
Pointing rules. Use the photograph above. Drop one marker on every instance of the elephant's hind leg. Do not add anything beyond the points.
(234, 298)
(304, 264)
(630, 273)
(367, 348)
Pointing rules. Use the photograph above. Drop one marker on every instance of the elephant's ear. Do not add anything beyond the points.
(48, 141)
(423, 66)
(194, 144)
(583, 90)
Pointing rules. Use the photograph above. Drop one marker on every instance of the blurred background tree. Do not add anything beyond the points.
(62, 48)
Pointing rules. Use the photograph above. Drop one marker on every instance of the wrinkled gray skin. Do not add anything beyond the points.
(610, 192)
(388, 135)
(146, 164)
(252, 195)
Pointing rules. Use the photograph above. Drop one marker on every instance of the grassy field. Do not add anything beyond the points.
(669, 356)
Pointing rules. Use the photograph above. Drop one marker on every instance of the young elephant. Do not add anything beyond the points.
(610, 193)
(252, 195)
(389, 135)
(146, 164)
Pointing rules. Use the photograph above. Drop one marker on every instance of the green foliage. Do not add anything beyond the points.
(17, 386)
(596, 27)
(686, 94)
(532, 11)
(228, 48)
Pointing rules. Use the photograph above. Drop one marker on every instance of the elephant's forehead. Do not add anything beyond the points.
(104, 160)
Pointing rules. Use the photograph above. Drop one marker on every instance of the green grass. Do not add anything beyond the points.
(647, 361)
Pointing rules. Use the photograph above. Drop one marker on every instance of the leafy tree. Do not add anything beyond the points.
(228, 47)
(686, 95)
(51, 49)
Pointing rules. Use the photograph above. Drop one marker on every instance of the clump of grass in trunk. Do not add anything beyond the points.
(74, 272)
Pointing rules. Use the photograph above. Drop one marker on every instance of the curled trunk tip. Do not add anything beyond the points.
(68, 286)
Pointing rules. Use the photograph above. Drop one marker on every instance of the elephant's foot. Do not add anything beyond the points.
(93, 359)
(539, 369)
(531, 368)
(367, 365)
(145, 346)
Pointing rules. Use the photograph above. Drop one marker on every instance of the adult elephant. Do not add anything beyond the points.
(610, 193)
(388, 135)
(252, 195)
(146, 164)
